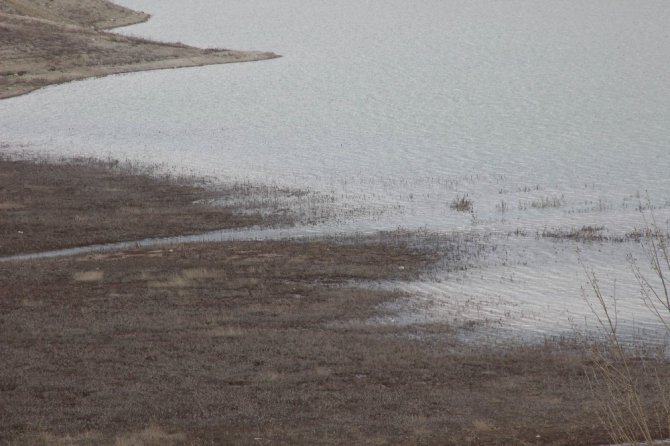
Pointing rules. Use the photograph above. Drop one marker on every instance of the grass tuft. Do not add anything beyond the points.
(462, 204)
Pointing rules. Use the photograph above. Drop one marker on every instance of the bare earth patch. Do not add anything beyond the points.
(88, 276)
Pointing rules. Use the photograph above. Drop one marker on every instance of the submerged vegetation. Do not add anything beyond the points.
(462, 204)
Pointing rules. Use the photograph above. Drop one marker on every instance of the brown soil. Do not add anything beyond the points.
(52, 206)
(256, 343)
(50, 42)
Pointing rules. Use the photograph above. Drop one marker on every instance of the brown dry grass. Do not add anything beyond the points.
(149, 436)
(265, 340)
(49, 42)
(461, 204)
(257, 342)
(90, 13)
(50, 206)
(620, 391)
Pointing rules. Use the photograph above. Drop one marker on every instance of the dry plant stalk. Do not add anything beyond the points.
(614, 381)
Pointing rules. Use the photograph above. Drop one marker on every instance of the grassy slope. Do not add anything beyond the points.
(99, 14)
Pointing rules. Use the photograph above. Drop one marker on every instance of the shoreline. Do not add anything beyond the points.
(54, 50)
(284, 340)
(51, 204)
(222, 58)
(242, 341)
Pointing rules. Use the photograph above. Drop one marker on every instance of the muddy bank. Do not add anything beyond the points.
(44, 43)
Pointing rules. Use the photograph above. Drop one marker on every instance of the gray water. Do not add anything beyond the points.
(546, 114)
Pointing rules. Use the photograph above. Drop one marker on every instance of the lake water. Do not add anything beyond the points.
(548, 115)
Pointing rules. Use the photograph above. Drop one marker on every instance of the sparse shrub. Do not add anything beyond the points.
(615, 374)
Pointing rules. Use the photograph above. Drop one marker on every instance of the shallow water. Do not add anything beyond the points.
(546, 114)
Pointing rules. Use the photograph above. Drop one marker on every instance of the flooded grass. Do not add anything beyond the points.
(54, 204)
(461, 204)
(585, 233)
(273, 341)
(542, 203)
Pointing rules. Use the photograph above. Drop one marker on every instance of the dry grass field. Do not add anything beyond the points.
(46, 206)
(269, 342)
(98, 14)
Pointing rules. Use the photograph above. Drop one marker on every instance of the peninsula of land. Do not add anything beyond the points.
(44, 42)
